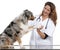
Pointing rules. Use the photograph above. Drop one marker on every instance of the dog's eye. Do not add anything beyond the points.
(21, 19)
(2, 40)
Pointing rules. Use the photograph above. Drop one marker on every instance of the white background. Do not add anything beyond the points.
(9, 9)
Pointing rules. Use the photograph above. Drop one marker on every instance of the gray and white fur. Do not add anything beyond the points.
(16, 29)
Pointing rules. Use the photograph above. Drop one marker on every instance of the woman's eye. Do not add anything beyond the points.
(45, 8)
(48, 10)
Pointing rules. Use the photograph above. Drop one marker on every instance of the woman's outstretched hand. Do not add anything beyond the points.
(41, 27)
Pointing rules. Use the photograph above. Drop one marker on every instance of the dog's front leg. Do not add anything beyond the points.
(20, 43)
(30, 28)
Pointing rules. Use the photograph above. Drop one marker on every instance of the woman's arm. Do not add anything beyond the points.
(43, 35)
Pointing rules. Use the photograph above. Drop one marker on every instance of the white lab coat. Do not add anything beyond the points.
(36, 42)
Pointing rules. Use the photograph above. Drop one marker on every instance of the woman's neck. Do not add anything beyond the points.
(44, 17)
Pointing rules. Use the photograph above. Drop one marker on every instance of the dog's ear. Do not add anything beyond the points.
(26, 10)
(26, 13)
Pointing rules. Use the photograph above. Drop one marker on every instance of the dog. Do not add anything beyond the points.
(16, 29)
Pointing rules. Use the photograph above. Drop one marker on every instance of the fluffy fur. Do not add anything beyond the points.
(16, 29)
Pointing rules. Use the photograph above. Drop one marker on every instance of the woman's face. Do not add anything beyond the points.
(46, 10)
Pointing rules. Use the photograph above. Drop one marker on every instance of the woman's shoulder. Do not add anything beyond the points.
(51, 22)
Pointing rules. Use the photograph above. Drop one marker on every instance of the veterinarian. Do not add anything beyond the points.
(42, 37)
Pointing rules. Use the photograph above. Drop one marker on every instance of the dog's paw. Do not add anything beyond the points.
(23, 47)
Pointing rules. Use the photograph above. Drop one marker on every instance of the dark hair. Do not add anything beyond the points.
(52, 14)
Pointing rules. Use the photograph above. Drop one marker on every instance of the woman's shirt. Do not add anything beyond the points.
(49, 30)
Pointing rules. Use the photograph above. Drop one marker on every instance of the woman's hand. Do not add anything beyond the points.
(42, 35)
(41, 27)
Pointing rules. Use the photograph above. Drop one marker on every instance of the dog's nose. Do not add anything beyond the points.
(32, 18)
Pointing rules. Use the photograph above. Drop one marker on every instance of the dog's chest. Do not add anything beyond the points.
(24, 26)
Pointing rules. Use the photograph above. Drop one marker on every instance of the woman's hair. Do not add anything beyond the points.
(52, 14)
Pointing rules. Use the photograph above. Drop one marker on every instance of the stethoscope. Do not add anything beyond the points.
(40, 19)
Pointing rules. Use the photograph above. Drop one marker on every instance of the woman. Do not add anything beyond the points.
(42, 37)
